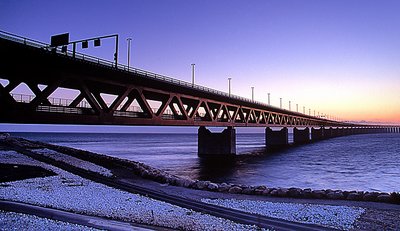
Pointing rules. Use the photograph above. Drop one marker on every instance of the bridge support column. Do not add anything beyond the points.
(276, 139)
(328, 133)
(317, 134)
(346, 131)
(301, 136)
(334, 132)
(340, 131)
(216, 144)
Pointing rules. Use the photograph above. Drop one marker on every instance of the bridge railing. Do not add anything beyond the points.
(121, 67)
(62, 102)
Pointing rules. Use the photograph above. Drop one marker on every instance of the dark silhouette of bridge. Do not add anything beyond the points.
(141, 98)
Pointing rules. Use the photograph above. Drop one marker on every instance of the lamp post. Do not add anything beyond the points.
(280, 99)
(129, 49)
(297, 107)
(269, 98)
(229, 86)
(252, 93)
(290, 106)
(193, 65)
(304, 110)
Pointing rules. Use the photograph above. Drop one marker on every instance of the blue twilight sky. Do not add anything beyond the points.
(339, 57)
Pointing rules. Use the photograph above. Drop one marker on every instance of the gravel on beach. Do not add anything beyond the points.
(73, 161)
(69, 192)
(20, 221)
(338, 217)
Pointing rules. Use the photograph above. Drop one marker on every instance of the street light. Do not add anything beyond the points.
(269, 99)
(193, 65)
(297, 107)
(290, 107)
(252, 93)
(229, 84)
(280, 99)
(129, 49)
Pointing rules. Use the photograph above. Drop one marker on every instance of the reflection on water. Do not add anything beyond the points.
(359, 162)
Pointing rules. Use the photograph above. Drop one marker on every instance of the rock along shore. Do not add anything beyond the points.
(161, 176)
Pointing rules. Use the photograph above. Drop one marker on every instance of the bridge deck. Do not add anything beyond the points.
(135, 92)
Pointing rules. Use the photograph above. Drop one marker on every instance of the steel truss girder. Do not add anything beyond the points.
(185, 108)
(188, 106)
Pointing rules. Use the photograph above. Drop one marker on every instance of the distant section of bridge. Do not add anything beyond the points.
(140, 98)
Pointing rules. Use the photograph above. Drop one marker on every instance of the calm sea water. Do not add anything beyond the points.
(360, 162)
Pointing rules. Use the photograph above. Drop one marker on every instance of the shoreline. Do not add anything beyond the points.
(146, 176)
(161, 176)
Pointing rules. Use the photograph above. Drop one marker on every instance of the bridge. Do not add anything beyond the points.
(108, 93)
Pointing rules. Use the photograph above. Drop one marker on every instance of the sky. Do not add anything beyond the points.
(339, 57)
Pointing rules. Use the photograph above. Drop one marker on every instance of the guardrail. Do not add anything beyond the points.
(167, 79)
(61, 102)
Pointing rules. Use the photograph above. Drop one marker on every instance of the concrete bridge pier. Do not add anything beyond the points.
(328, 133)
(347, 131)
(216, 144)
(301, 136)
(317, 134)
(276, 139)
(342, 131)
(335, 132)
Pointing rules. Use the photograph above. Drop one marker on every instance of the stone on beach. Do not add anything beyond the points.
(235, 189)
(318, 194)
(335, 195)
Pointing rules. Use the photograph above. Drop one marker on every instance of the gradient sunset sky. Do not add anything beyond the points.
(339, 57)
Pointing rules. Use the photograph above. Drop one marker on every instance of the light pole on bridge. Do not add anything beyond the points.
(280, 99)
(252, 93)
(297, 107)
(290, 106)
(304, 110)
(129, 50)
(229, 86)
(193, 65)
(269, 98)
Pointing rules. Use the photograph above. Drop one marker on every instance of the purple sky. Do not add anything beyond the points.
(338, 57)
